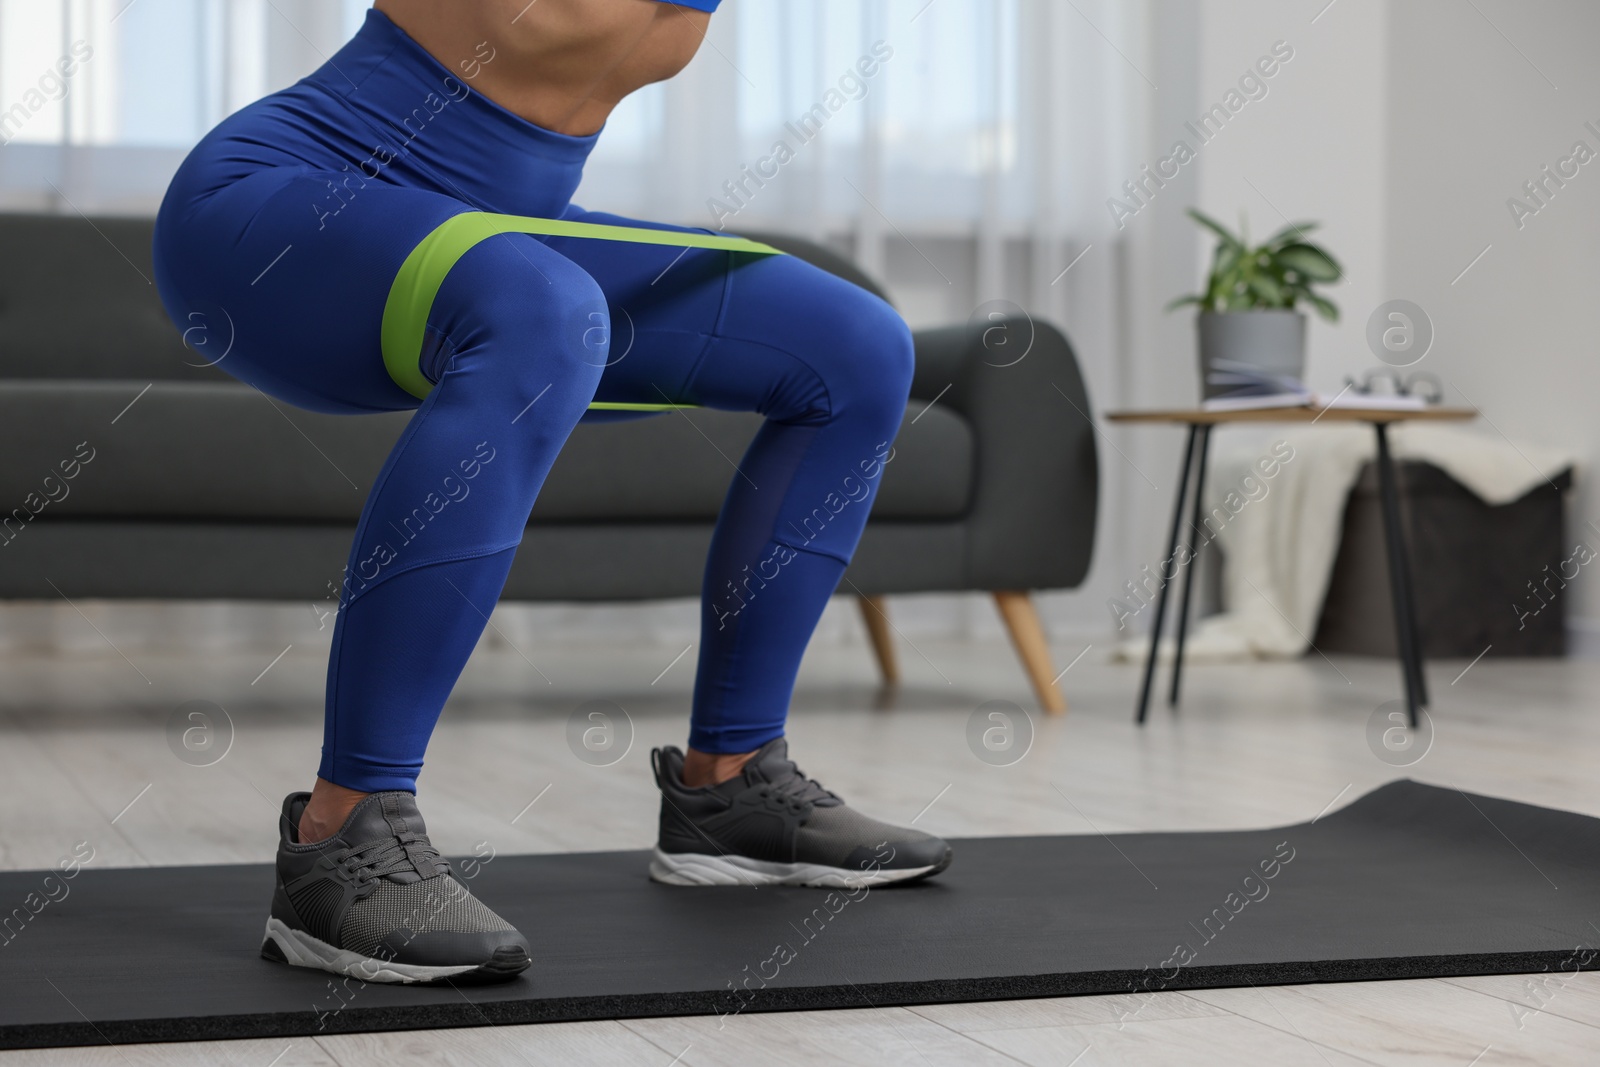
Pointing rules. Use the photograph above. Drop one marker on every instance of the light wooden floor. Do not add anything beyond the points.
(1256, 745)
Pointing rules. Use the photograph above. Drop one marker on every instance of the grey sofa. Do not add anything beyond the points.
(132, 469)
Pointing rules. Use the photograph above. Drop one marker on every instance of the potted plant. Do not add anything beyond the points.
(1251, 337)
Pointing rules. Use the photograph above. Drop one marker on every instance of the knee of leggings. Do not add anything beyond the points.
(523, 316)
(866, 359)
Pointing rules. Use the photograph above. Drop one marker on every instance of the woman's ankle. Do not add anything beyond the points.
(705, 768)
(330, 805)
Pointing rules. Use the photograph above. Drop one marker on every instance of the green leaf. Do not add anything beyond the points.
(1229, 286)
(1214, 226)
(1275, 274)
(1272, 295)
(1325, 308)
(1310, 261)
(1295, 233)
(1218, 285)
(1227, 258)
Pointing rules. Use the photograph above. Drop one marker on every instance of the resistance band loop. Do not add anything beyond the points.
(405, 313)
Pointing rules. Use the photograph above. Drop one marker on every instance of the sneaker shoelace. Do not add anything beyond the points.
(403, 853)
(796, 788)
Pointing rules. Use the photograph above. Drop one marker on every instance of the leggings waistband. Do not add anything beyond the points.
(418, 109)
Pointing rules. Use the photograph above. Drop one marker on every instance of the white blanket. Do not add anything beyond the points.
(1280, 546)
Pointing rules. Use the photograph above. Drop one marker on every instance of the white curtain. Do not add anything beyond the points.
(970, 164)
(960, 150)
(995, 123)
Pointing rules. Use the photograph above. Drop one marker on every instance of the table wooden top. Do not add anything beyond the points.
(1193, 416)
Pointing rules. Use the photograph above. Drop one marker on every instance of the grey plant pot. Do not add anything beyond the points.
(1270, 340)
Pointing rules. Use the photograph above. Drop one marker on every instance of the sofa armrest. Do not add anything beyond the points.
(1036, 472)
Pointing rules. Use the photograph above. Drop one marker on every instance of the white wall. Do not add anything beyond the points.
(1475, 110)
(1312, 148)
(1405, 127)
(1151, 354)
(1402, 126)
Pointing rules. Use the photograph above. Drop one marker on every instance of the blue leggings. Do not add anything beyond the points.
(292, 218)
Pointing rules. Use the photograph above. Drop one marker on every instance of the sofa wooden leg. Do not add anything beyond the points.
(1022, 622)
(875, 613)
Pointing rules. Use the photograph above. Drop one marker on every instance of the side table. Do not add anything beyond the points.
(1200, 424)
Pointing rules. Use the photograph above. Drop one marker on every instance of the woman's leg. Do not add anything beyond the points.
(512, 349)
(829, 365)
(517, 365)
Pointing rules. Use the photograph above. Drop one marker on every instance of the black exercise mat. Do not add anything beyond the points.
(1409, 881)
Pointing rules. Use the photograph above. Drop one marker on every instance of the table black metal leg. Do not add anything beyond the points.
(1195, 541)
(1166, 584)
(1411, 594)
(1418, 676)
(1400, 581)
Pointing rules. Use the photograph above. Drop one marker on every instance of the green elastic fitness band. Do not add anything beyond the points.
(405, 313)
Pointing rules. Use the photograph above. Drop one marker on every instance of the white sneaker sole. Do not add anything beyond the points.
(695, 868)
(302, 950)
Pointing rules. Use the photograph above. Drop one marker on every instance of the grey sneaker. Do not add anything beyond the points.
(771, 825)
(378, 902)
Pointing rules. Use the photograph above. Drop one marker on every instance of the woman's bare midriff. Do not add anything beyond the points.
(560, 64)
